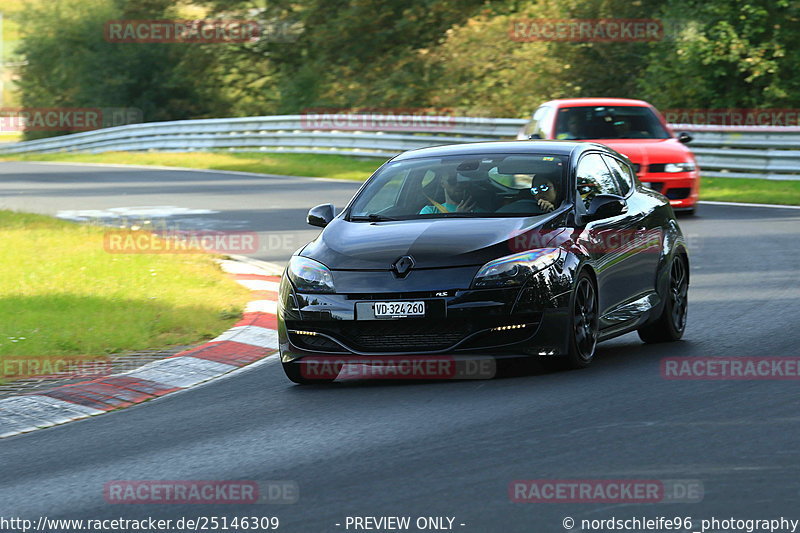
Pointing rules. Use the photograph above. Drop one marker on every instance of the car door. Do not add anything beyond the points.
(647, 234)
(607, 240)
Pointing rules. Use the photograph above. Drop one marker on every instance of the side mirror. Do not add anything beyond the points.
(605, 206)
(320, 215)
(534, 136)
(684, 138)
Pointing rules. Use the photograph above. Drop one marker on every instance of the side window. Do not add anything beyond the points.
(593, 178)
(622, 174)
(538, 124)
(543, 126)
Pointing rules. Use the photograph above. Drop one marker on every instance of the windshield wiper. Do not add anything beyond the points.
(372, 217)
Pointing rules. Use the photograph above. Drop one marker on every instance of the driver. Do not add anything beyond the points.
(457, 198)
(546, 195)
(573, 131)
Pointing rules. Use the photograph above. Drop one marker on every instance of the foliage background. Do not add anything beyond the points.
(453, 54)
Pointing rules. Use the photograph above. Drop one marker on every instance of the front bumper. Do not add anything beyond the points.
(681, 188)
(511, 322)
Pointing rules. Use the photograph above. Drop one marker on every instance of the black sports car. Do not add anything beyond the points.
(504, 250)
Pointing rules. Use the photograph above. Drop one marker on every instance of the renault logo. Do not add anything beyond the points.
(403, 266)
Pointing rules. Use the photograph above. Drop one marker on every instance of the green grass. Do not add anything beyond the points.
(750, 190)
(350, 168)
(318, 166)
(62, 294)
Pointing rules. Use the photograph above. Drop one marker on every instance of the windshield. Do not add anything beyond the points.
(463, 186)
(602, 122)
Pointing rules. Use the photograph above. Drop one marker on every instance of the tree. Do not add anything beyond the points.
(487, 72)
(348, 53)
(69, 64)
(728, 55)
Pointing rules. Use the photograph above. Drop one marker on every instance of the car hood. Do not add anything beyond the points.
(432, 243)
(649, 151)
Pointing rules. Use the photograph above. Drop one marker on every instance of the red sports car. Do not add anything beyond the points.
(633, 128)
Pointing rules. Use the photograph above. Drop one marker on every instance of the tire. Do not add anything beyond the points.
(670, 325)
(584, 323)
(294, 371)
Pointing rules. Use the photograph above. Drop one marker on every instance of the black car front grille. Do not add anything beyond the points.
(402, 335)
(636, 167)
(657, 167)
(407, 335)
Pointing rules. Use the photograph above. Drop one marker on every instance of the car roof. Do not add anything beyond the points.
(567, 102)
(501, 147)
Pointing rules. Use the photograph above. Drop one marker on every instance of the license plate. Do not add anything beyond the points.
(398, 309)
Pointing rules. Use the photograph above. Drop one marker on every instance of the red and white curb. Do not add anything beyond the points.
(251, 339)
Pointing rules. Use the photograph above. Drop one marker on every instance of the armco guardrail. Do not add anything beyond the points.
(364, 135)
(766, 152)
(722, 151)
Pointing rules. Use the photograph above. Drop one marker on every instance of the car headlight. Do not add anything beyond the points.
(309, 275)
(679, 167)
(513, 270)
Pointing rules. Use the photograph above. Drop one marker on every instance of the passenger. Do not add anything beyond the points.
(457, 198)
(574, 124)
